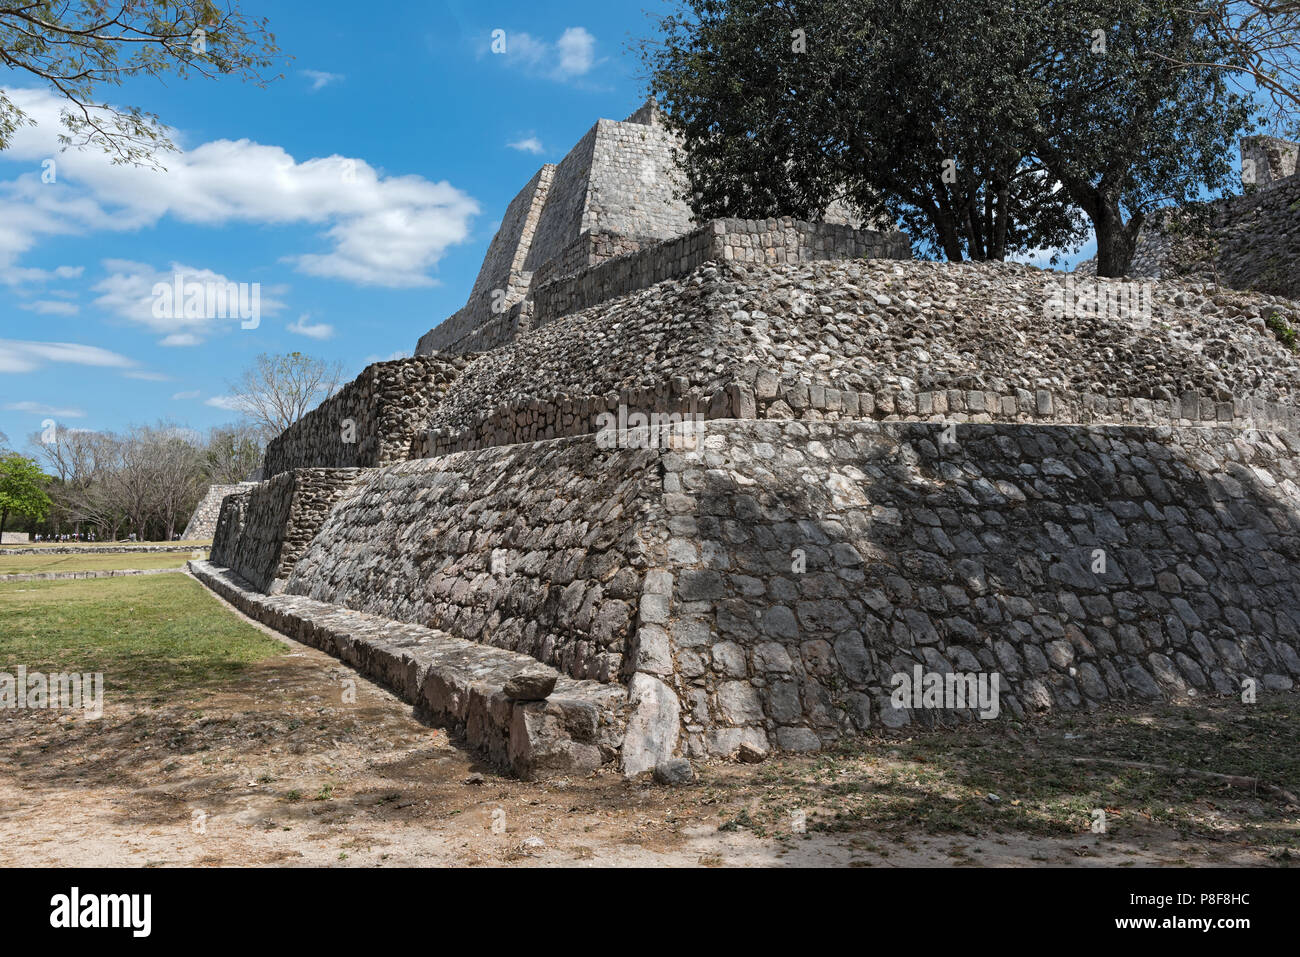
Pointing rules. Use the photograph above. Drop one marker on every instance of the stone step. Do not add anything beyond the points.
(458, 684)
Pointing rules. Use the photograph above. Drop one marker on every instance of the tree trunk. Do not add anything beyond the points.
(1114, 241)
(4, 517)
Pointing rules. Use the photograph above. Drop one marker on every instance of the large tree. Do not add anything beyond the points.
(78, 48)
(278, 390)
(22, 488)
(784, 107)
(987, 128)
(1122, 121)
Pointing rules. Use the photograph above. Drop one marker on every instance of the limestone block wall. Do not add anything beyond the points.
(369, 422)
(561, 219)
(809, 563)
(589, 249)
(232, 513)
(771, 241)
(264, 531)
(1250, 241)
(635, 186)
(882, 340)
(535, 549)
(1267, 160)
(203, 523)
(15, 538)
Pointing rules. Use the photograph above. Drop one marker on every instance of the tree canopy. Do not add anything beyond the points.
(22, 488)
(986, 128)
(78, 48)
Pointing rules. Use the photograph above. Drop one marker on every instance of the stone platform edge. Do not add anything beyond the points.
(104, 573)
(456, 684)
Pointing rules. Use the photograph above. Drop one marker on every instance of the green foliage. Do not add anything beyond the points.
(1284, 332)
(1039, 113)
(22, 488)
(79, 48)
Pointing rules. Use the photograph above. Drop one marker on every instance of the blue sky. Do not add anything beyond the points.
(360, 192)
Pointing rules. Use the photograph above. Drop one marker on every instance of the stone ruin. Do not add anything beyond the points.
(203, 523)
(692, 490)
(1250, 241)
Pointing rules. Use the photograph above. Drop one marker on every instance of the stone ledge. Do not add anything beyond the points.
(100, 549)
(456, 683)
(68, 576)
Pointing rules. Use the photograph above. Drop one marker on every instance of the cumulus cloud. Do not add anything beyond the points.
(319, 330)
(571, 56)
(131, 291)
(577, 52)
(381, 230)
(19, 355)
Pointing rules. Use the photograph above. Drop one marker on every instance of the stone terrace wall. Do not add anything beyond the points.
(203, 523)
(969, 557)
(388, 406)
(268, 527)
(232, 514)
(589, 249)
(1244, 242)
(884, 340)
(532, 548)
(771, 241)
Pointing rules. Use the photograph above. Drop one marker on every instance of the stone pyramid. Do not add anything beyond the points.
(726, 485)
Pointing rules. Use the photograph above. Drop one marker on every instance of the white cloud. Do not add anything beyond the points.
(40, 408)
(149, 376)
(319, 330)
(180, 339)
(571, 56)
(186, 395)
(50, 307)
(577, 49)
(382, 230)
(530, 144)
(19, 355)
(128, 292)
(320, 79)
(228, 402)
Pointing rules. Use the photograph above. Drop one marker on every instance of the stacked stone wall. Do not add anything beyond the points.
(203, 523)
(371, 421)
(534, 549)
(880, 340)
(771, 242)
(264, 531)
(809, 563)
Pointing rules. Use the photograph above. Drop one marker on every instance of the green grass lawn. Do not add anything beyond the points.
(29, 564)
(151, 636)
(197, 543)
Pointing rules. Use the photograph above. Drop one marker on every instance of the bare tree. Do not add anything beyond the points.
(233, 452)
(1261, 42)
(277, 391)
(78, 48)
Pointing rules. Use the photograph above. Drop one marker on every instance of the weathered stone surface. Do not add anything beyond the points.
(460, 684)
(530, 685)
(653, 727)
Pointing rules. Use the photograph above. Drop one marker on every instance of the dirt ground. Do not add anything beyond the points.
(277, 770)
